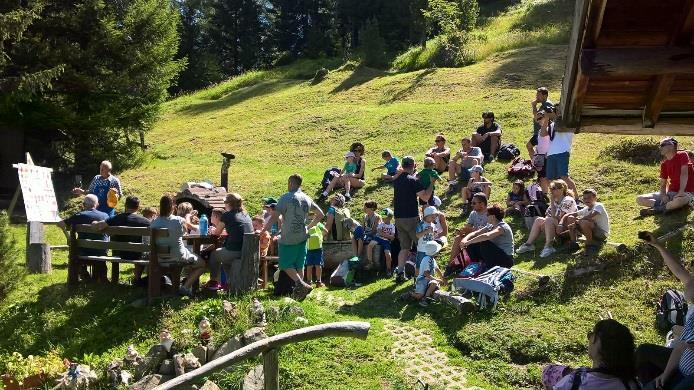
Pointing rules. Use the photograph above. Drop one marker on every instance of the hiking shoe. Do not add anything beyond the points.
(424, 303)
(525, 248)
(647, 212)
(319, 284)
(574, 247)
(389, 274)
(300, 292)
(348, 197)
(185, 291)
(547, 252)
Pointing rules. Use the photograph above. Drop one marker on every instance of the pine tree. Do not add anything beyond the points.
(11, 270)
(237, 34)
(373, 47)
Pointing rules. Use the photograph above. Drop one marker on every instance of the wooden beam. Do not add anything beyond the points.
(355, 329)
(568, 112)
(114, 245)
(594, 22)
(634, 126)
(271, 369)
(622, 62)
(686, 30)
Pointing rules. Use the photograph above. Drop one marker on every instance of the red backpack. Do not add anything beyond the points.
(521, 168)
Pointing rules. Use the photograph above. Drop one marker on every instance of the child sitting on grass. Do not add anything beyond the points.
(428, 177)
(429, 276)
(517, 199)
(477, 183)
(314, 254)
(349, 170)
(385, 234)
(391, 165)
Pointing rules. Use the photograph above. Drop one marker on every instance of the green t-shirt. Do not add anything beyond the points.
(425, 176)
(315, 237)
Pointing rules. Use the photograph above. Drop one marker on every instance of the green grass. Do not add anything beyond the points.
(280, 123)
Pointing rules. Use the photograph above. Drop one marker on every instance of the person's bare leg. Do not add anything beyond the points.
(319, 273)
(544, 185)
(430, 290)
(646, 200)
(355, 183)
(309, 274)
(476, 140)
(535, 231)
(355, 247)
(570, 183)
(465, 194)
(360, 248)
(389, 261)
(453, 170)
(348, 186)
(587, 230)
(455, 248)
(677, 203)
(531, 149)
(488, 191)
(494, 144)
(402, 258)
(333, 183)
(296, 277)
(193, 276)
(550, 231)
(369, 250)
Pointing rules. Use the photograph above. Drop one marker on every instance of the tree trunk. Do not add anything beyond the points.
(247, 279)
(38, 252)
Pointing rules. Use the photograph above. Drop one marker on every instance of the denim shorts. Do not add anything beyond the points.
(557, 166)
(385, 244)
(314, 257)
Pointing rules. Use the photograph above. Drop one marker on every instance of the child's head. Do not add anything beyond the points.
(149, 213)
(386, 155)
(338, 201)
(431, 248)
(216, 216)
(387, 215)
(430, 214)
(518, 187)
(258, 223)
(370, 207)
(349, 156)
(429, 163)
(183, 209)
(476, 171)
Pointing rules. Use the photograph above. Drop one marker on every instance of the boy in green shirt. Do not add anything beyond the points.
(428, 176)
(314, 253)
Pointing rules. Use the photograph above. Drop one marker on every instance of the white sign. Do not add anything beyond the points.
(38, 193)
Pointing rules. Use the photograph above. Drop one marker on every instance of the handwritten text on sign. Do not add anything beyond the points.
(38, 193)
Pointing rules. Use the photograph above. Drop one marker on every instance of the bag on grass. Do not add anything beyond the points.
(508, 152)
(458, 264)
(472, 270)
(411, 265)
(343, 275)
(671, 310)
(486, 287)
(538, 161)
(521, 168)
(328, 177)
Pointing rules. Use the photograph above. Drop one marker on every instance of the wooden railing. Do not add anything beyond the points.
(269, 349)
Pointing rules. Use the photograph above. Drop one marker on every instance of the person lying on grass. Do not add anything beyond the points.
(476, 184)
(560, 215)
(676, 181)
(468, 156)
(477, 220)
(385, 233)
(517, 199)
(355, 181)
(429, 276)
(391, 165)
(611, 350)
(440, 153)
(592, 221)
(493, 244)
(678, 372)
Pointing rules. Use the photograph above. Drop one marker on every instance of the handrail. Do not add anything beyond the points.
(356, 329)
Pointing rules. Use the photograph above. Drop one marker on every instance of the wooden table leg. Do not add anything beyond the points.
(115, 273)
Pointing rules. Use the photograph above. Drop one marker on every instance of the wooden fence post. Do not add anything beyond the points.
(247, 279)
(38, 252)
(271, 369)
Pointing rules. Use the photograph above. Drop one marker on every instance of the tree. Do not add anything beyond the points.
(237, 33)
(11, 271)
(117, 58)
(373, 47)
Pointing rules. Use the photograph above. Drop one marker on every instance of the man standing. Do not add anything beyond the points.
(469, 156)
(488, 136)
(541, 103)
(101, 185)
(406, 190)
(88, 215)
(676, 181)
(294, 207)
(128, 218)
(559, 151)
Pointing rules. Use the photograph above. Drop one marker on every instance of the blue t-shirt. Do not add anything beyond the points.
(86, 217)
(99, 187)
(392, 166)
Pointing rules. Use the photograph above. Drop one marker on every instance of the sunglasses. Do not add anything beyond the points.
(440, 140)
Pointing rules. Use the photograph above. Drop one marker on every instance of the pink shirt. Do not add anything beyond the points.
(590, 381)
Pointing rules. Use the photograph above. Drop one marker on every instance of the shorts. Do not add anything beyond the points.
(314, 257)
(385, 244)
(407, 231)
(533, 139)
(598, 234)
(557, 166)
(360, 234)
(292, 256)
(656, 195)
(420, 256)
(421, 285)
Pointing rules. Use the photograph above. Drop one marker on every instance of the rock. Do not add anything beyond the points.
(254, 379)
(200, 352)
(230, 309)
(273, 313)
(230, 346)
(257, 312)
(179, 365)
(294, 311)
(79, 378)
(167, 367)
(151, 362)
(301, 321)
(254, 334)
(149, 382)
(209, 385)
(289, 301)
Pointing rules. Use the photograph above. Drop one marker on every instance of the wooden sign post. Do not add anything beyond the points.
(41, 207)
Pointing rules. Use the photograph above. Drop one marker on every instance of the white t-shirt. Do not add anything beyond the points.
(428, 264)
(566, 205)
(387, 228)
(602, 220)
(422, 226)
(561, 143)
(178, 251)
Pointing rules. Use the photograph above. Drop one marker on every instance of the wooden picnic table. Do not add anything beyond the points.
(196, 240)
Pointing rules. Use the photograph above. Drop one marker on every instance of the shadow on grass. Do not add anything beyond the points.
(546, 63)
(537, 17)
(410, 89)
(239, 96)
(360, 75)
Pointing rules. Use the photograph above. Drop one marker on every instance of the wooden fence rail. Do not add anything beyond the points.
(269, 349)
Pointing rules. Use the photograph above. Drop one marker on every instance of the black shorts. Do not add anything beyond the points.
(533, 139)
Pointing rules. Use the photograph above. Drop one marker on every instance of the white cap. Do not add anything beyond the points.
(349, 154)
(431, 248)
(437, 201)
(431, 210)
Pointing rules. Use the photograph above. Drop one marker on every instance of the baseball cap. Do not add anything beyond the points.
(668, 141)
(476, 168)
(408, 162)
(267, 202)
(431, 248)
(387, 212)
(349, 154)
(431, 210)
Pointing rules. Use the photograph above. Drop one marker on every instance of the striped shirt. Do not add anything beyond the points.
(687, 359)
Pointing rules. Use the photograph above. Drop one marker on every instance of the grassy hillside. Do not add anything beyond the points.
(280, 122)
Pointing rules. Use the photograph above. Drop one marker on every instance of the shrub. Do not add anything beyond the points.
(636, 151)
(373, 46)
(11, 272)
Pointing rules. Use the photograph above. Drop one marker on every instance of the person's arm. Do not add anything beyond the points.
(672, 364)
(446, 152)
(318, 215)
(509, 202)
(324, 230)
(684, 177)
(423, 232)
(544, 126)
(458, 156)
(481, 236)
(274, 218)
(673, 264)
(444, 226)
(496, 132)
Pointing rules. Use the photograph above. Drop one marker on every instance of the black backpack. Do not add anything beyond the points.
(328, 177)
(671, 310)
(508, 152)
(284, 285)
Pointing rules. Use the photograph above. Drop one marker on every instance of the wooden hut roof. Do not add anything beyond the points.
(630, 68)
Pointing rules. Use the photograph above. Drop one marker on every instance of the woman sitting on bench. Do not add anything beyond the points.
(178, 251)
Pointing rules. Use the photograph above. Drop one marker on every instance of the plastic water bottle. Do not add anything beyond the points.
(203, 225)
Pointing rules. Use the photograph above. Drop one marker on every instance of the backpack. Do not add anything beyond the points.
(508, 152)
(487, 286)
(328, 177)
(521, 168)
(671, 310)
(283, 284)
(411, 265)
(340, 230)
(343, 276)
(458, 264)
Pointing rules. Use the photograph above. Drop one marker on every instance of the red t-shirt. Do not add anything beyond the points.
(671, 169)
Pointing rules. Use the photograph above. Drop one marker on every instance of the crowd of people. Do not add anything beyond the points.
(416, 223)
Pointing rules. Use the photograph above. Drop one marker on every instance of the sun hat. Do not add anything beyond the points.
(431, 248)
(476, 168)
(349, 154)
(436, 200)
(431, 210)
(387, 212)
